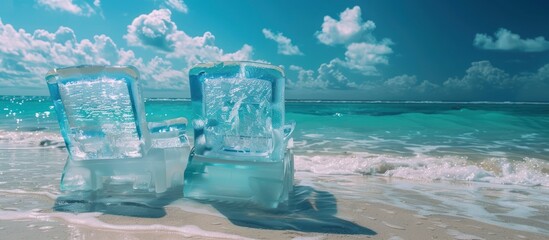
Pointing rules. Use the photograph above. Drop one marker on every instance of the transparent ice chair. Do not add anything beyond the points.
(112, 148)
(242, 145)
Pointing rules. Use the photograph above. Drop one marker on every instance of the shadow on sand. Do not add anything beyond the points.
(309, 210)
(146, 205)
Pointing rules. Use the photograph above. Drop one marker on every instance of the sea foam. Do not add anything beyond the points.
(91, 220)
(19, 139)
(528, 172)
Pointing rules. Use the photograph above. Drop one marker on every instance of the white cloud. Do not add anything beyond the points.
(365, 56)
(332, 74)
(305, 79)
(78, 7)
(408, 84)
(157, 73)
(25, 58)
(153, 30)
(156, 30)
(97, 3)
(33, 54)
(505, 40)
(483, 81)
(327, 76)
(285, 46)
(243, 54)
(178, 5)
(401, 82)
(481, 75)
(349, 28)
(360, 58)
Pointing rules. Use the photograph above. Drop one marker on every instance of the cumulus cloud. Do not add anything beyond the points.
(401, 82)
(409, 86)
(25, 58)
(332, 74)
(305, 79)
(363, 54)
(360, 58)
(78, 7)
(177, 5)
(153, 30)
(483, 81)
(349, 28)
(158, 73)
(327, 76)
(156, 30)
(285, 46)
(505, 40)
(481, 75)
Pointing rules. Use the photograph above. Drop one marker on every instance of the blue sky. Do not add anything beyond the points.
(366, 50)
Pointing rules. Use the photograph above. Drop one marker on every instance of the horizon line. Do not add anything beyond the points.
(339, 100)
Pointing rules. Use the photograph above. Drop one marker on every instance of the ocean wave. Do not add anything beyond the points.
(167, 99)
(528, 172)
(411, 102)
(38, 138)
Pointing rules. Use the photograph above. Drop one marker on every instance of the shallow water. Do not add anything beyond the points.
(484, 161)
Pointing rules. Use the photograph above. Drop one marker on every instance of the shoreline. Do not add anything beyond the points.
(386, 221)
(325, 206)
(368, 219)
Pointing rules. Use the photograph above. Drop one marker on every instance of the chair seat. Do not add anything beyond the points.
(265, 184)
(240, 149)
(111, 146)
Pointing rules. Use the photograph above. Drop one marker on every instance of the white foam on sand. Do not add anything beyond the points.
(421, 167)
(91, 220)
(495, 191)
(23, 192)
(462, 236)
(313, 135)
(19, 139)
(192, 206)
(320, 237)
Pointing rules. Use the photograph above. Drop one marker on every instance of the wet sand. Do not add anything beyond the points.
(362, 220)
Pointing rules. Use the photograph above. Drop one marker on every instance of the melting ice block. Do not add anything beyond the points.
(111, 146)
(240, 146)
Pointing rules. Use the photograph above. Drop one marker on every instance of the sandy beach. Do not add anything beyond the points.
(313, 215)
(378, 221)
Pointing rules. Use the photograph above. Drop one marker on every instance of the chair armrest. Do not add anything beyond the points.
(288, 130)
(163, 132)
(176, 124)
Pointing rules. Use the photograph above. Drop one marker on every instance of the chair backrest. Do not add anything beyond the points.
(100, 111)
(238, 107)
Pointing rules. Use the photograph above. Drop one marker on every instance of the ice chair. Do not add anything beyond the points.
(242, 146)
(112, 149)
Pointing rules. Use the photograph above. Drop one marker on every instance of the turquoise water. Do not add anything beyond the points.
(495, 141)
(485, 161)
